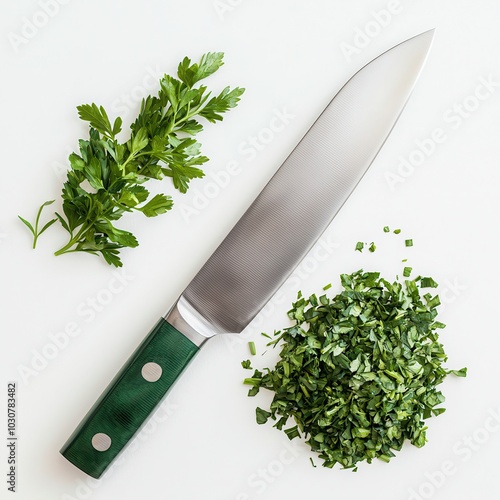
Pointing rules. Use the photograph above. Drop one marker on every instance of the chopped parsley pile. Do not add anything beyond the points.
(358, 373)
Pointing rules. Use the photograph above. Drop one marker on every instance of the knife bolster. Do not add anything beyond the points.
(187, 320)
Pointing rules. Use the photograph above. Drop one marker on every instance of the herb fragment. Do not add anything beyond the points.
(251, 347)
(459, 373)
(386, 229)
(372, 247)
(359, 246)
(247, 365)
(428, 283)
(358, 373)
(106, 177)
(327, 287)
(261, 415)
(34, 230)
(397, 231)
(409, 243)
(407, 272)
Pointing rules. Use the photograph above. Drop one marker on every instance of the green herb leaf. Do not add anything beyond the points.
(97, 117)
(28, 224)
(47, 226)
(372, 247)
(407, 272)
(123, 238)
(428, 283)
(386, 229)
(409, 243)
(225, 100)
(159, 204)
(359, 246)
(189, 73)
(459, 373)
(140, 140)
(246, 364)
(261, 415)
(111, 257)
(293, 432)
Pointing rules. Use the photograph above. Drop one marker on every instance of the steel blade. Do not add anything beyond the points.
(307, 191)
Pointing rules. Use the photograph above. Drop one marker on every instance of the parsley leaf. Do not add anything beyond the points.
(261, 415)
(247, 364)
(407, 272)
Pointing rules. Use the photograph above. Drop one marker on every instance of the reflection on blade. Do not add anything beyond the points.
(306, 192)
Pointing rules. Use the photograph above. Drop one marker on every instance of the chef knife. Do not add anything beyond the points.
(260, 252)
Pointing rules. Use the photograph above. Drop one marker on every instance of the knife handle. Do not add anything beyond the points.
(129, 399)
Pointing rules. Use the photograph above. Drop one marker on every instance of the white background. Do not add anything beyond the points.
(204, 442)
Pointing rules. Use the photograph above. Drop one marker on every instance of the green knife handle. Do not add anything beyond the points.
(129, 399)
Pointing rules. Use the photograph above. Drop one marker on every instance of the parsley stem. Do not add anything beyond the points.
(132, 156)
(35, 231)
(66, 248)
(73, 241)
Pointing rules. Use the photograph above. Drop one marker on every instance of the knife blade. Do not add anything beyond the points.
(260, 252)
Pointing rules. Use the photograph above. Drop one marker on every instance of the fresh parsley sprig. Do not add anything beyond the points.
(106, 178)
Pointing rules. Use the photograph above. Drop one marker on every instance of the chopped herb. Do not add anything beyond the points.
(432, 302)
(386, 229)
(404, 260)
(253, 350)
(459, 373)
(407, 272)
(246, 364)
(359, 373)
(372, 247)
(409, 243)
(266, 335)
(397, 231)
(359, 246)
(293, 432)
(327, 287)
(312, 462)
(428, 283)
(261, 415)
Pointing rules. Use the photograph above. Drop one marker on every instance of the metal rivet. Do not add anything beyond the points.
(151, 372)
(101, 442)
